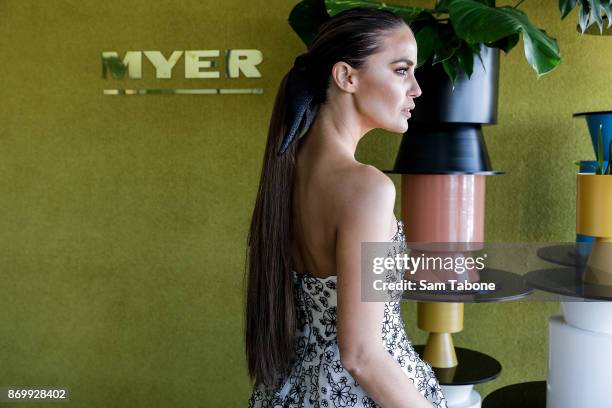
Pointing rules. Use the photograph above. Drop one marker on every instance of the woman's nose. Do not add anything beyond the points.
(415, 91)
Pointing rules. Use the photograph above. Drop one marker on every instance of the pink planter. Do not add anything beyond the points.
(443, 208)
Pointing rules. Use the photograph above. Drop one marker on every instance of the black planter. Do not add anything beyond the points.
(473, 100)
(443, 148)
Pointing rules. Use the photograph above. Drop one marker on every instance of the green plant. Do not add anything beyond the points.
(451, 33)
(600, 154)
(598, 168)
(590, 12)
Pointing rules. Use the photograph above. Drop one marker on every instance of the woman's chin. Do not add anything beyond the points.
(404, 128)
(395, 128)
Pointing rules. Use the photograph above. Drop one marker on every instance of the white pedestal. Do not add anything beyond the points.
(461, 396)
(579, 366)
(587, 315)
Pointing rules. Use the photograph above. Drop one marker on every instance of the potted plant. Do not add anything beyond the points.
(593, 221)
(595, 121)
(601, 140)
(450, 35)
(452, 28)
(454, 31)
(594, 215)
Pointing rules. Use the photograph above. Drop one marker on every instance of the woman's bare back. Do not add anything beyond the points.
(325, 184)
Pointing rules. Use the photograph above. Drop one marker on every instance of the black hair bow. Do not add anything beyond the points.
(300, 98)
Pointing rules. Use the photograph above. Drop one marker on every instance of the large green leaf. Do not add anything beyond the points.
(407, 13)
(428, 41)
(451, 43)
(505, 44)
(465, 55)
(449, 68)
(565, 7)
(477, 23)
(424, 19)
(437, 41)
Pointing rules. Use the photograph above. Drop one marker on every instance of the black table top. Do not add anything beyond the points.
(567, 282)
(530, 394)
(474, 368)
(563, 254)
(508, 286)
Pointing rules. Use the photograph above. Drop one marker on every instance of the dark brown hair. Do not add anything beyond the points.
(350, 36)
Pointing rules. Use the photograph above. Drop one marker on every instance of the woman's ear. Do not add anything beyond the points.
(344, 76)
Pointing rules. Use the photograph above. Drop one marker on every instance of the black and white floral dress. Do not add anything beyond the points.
(318, 379)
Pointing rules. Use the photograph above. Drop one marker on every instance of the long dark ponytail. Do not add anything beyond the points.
(350, 36)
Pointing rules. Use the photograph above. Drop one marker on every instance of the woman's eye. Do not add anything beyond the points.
(402, 71)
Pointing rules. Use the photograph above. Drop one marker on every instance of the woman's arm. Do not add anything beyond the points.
(366, 218)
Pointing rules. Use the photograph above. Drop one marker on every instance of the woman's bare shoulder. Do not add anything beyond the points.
(365, 211)
(363, 181)
(364, 189)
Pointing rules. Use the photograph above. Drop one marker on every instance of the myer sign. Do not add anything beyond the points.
(197, 64)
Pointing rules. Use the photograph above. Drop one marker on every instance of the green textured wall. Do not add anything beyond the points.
(123, 219)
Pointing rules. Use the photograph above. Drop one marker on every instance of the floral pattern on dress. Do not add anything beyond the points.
(317, 378)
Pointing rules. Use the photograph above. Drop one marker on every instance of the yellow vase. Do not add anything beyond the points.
(594, 218)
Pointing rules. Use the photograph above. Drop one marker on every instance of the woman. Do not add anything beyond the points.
(310, 340)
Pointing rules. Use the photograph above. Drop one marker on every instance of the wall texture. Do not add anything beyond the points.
(123, 219)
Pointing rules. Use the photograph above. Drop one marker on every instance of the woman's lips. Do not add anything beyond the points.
(406, 112)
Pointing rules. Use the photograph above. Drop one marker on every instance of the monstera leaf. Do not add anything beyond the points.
(478, 23)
